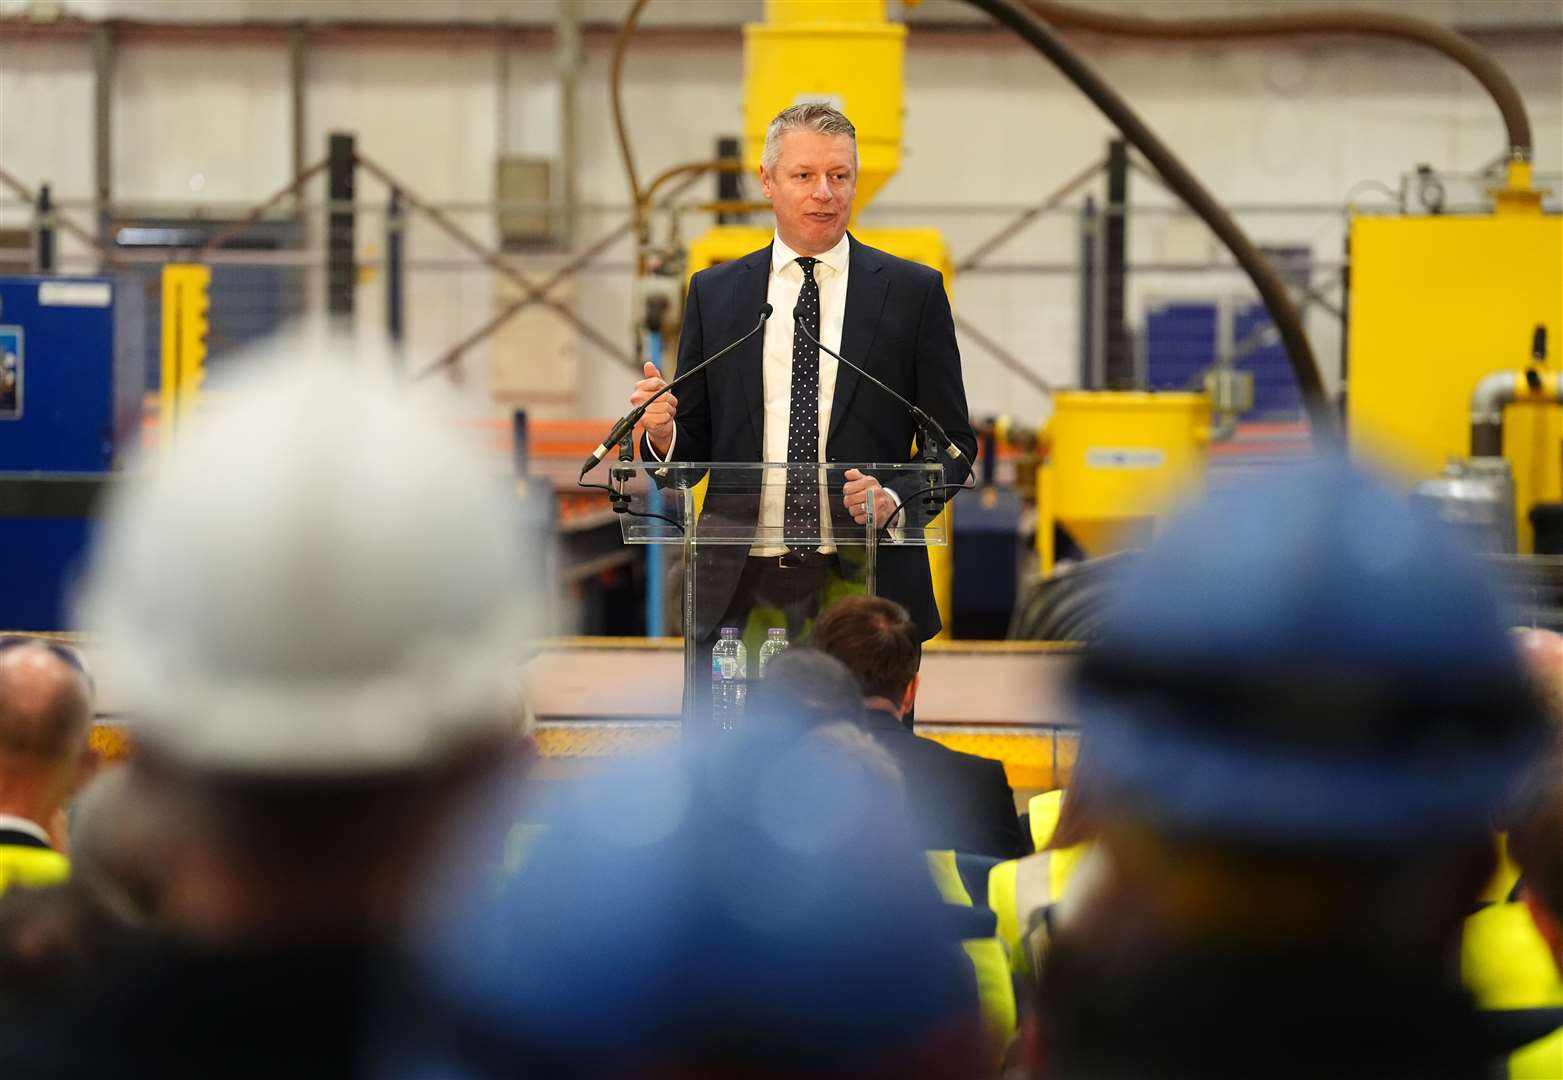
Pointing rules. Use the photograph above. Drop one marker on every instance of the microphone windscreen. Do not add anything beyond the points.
(766, 311)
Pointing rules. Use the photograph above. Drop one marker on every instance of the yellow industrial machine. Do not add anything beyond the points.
(1438, 303)
(847, 53)
(1114, 461)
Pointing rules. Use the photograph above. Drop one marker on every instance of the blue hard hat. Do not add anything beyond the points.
(754, 899)
(1307, 661)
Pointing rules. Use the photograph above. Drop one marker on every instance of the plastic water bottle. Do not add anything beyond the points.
(729, 672)
(775, 644)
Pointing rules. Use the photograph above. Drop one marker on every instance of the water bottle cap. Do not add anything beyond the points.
(777, 631)
(729, 631)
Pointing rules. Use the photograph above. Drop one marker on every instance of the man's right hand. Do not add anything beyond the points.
(657, 424)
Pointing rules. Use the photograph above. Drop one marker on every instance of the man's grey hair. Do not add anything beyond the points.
(815, 116)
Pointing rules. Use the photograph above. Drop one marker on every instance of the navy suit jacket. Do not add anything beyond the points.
(955, 801)
(897, 325)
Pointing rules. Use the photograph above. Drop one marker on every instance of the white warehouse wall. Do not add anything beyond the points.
(987, 122)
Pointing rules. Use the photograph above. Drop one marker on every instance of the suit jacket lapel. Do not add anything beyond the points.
(866, 289)
(754, 280)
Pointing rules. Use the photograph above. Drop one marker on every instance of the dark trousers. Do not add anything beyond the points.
(773, 591)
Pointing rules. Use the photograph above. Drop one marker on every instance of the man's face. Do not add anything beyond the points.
(811, 188)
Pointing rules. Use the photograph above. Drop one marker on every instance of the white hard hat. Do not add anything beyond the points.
(322, 579)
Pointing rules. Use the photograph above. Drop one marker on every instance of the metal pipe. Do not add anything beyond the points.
(298, 61)
(103, 117)
(1272, 290)
(1457, 47)
(1492, 393)
(1496, 391)
(341, 228)
(1088, 305)
(43, 233)
(1119, 363)
(395, 277)
(621, 134)
(568, 32)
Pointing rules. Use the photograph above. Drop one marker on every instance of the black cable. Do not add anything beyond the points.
(1040, 35)
(613, 495)
(968, 485)
(626, 423)
(924, 421)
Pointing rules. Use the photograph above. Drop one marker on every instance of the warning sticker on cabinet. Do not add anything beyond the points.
(75, 294)
(1118, 457)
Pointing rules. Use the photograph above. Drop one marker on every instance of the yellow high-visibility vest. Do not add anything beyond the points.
(31, 867)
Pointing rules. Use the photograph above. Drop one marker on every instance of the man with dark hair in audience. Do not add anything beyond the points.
(313, 611)
(45, 717)
(1302, 708)
(956, 801)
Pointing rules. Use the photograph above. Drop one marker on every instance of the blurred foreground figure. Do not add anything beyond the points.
(747, 907)
(1300, 717)
(314, 613)
(45, 714)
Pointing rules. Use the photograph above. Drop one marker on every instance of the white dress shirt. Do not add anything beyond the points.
(830, 274)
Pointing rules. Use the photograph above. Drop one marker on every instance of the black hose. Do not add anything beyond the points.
(1321, 413)
(1456, 46)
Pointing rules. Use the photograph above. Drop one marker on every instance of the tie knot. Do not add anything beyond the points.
(808, 262)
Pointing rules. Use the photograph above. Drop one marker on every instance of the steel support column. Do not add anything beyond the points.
(341, 226)
(1119, 366)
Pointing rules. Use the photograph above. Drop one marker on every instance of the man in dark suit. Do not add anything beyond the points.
(780, 398)
(956, 801)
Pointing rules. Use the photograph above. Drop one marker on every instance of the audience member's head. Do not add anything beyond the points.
(1541, 651)
(1536, 845)
(877, 641)
(315, 609)
(1534, 817)
(45, 718)
(747, 907)
(1301, 712)
(120, 844)
(804, 687)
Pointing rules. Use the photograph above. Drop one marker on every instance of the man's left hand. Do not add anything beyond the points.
(856, 492)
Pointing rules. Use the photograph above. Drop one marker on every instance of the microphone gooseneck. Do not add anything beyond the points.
(628, 421)
(924, 421)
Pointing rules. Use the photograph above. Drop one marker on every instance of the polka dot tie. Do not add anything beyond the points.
(801, 513)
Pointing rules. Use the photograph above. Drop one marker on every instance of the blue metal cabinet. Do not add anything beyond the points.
(72, 376)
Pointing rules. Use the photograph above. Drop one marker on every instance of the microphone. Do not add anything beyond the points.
(628, 421)
(924, 421)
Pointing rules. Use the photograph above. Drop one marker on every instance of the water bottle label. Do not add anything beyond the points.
(724, 667)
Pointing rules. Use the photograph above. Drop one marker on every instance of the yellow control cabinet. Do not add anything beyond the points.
(1437, 303)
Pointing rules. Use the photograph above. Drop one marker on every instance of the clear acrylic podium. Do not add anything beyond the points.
(718, 514)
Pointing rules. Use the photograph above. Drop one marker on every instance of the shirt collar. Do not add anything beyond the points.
(24, 825)
(836, 258)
